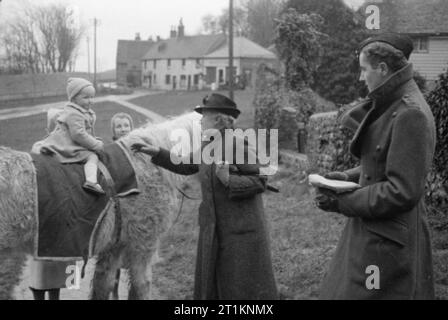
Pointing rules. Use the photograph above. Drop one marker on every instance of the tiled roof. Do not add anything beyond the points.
(242, 48)
(413, 16)
(132, 51)
(185, 47)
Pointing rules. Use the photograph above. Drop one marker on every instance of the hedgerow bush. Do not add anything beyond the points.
(328, 143)
(437, 193)
(279, 107)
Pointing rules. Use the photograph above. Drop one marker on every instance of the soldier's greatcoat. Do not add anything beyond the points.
(387, 227)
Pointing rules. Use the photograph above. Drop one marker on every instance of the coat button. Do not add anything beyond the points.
(368, 178)
(378, 148)
(394, 114)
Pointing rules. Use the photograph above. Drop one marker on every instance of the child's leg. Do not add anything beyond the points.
(91, 168)
(91, 171)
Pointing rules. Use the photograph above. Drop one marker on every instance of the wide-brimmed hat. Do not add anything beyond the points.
(399, 41)
(218, 102)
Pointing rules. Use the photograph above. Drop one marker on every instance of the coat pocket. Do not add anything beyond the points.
(392, 230)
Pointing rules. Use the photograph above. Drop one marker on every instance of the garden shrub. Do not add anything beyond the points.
(328, 143)
(437, 193)
(278, 107)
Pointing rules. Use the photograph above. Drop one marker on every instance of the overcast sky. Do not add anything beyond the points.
(123, 19)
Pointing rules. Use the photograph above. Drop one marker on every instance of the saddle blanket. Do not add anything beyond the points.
(67, 214)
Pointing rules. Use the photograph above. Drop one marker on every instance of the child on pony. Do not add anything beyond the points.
(73, 139)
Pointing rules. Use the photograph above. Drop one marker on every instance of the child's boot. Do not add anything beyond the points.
(94, 188)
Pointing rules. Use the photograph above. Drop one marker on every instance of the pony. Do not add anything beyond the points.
(145, 217)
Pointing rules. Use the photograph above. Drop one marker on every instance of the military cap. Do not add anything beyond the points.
(398, 41)
(220, 103)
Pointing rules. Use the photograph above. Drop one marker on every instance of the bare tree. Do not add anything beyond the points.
(261, 15)
(210, 24)
(220, 24)
(42, 39)
(21, 46)
(254, 19)
(240, 26)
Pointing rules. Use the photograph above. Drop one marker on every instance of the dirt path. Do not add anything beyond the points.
(14, 113)
(22, 292)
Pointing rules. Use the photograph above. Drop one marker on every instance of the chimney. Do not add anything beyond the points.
(158, 38)
(173, 32)
(137, 36)
(181, 29)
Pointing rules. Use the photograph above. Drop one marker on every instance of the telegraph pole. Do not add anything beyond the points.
(231, 95)
(88, 55)
(95, 24)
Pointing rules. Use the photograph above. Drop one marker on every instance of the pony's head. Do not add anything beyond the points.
(181, 134)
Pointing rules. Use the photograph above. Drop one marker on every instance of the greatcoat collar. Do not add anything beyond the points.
(377, 103)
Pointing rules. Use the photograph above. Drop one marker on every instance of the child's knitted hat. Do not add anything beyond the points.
(75, 85)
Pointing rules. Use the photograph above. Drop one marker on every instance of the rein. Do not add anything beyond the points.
(184, 195)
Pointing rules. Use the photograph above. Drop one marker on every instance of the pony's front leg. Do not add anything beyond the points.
(104, 278)
(140, 276)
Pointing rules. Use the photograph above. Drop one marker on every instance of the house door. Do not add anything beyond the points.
(147, 81)
(189, 83)
(210, 75)
(174, 82)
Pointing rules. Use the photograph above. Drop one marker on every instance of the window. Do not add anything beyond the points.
(154, 65)
(184, 62)
(421, 45)
(221, 76)
(146, 64)
(168, 63)
(167, 79)
(155, 79)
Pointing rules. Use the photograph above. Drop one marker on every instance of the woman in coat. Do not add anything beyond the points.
(385, 249)
(233, 256)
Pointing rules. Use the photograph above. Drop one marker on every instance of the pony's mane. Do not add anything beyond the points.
(159, 134)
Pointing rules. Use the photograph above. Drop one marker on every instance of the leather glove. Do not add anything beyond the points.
(336, 175)
(145, 148)
(327, 200)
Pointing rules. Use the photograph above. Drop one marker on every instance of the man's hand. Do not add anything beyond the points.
(336, 175)
(145, 148)
(222, 172)
(327, 200)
